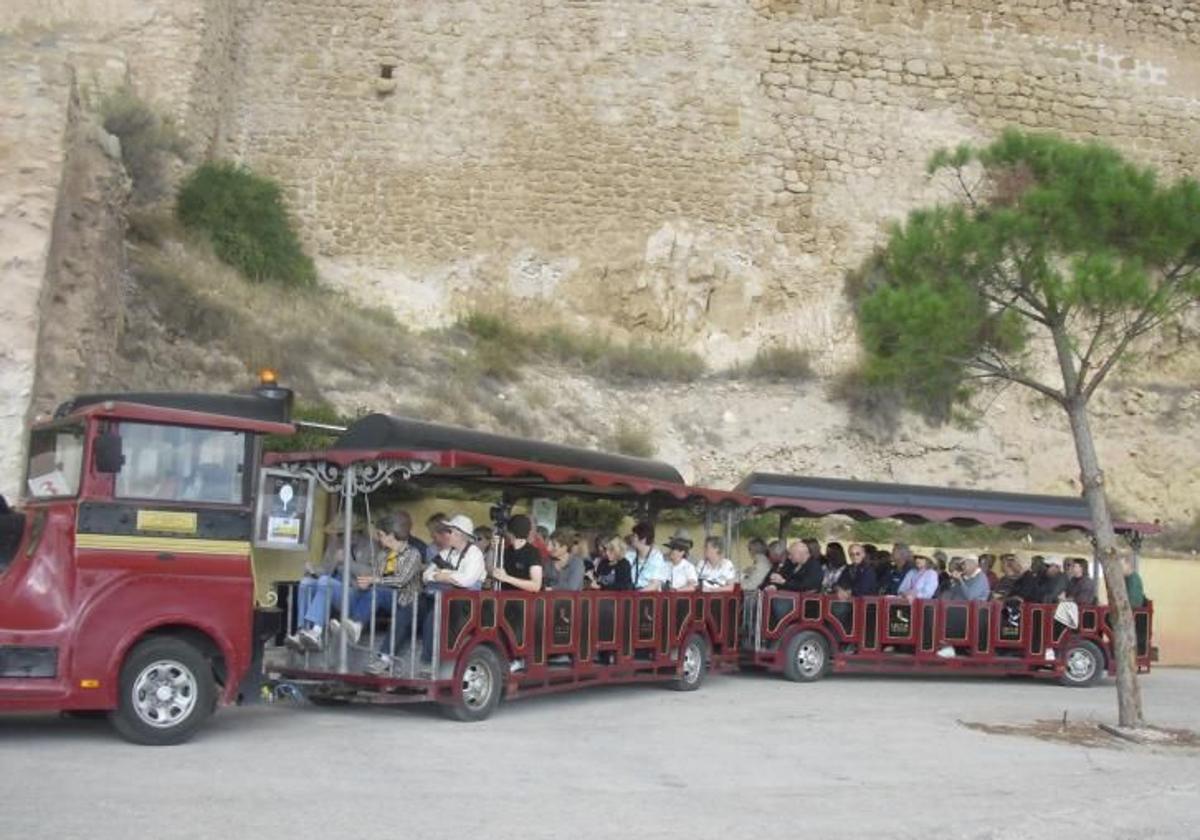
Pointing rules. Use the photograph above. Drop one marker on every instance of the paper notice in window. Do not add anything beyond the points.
(283, 529)
(53, 483)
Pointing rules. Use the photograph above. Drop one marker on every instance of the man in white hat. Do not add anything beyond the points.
(461, 562)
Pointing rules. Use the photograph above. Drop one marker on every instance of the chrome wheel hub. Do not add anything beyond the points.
(476, 685)
(1080, 665)
(692, 661)
(164, 694)
(810, 658)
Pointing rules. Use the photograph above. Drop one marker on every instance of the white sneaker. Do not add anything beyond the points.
(947, 652)
(353, 630)
(310, 639)
(380, 665)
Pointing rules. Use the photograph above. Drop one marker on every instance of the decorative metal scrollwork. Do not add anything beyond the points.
(367, 477)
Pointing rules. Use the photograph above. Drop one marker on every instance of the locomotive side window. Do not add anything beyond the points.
(55, 461)
(173, 463)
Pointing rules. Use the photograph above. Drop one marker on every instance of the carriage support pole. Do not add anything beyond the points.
(347, 548)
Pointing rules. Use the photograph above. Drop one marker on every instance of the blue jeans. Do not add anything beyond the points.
(314, 600)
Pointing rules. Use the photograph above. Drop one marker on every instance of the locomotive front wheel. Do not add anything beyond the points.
(166, 692)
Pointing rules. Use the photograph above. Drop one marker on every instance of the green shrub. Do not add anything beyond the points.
(780, 363)
(147, 142)
(633, 439)
(244, 216)
(875, 531)
(503, 348)
(599, 515)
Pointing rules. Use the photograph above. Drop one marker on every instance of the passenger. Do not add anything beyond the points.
(613, 572)
(399, 577)
(1005, 584)
(1080, 588)
(777, 556)
(920, 582)
(460, 565)
(969, 583)
(833, 564)
(1133, 584)
(437, 537)
(1018, 583)
(319, 593)
(650, 568)
(538, 540)
(941, 567)
(716, 571)
(902, 564)
(987, 562)
(683, 572)
(883, 569)
(1054, 582)
(803, 571)
(522, 567)
(564, 570)
(754, 575)
(858, 577)
(483, 539)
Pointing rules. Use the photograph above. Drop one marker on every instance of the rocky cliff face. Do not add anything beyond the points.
(701, 173)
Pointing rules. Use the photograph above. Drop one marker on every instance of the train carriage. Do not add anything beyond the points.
(805, 636)
(491, 644)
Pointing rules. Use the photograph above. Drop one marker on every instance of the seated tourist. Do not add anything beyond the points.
(437, 537)
(460, 565)
(399, 577)
(564, 570)
(802, 572)
(319, 593)
(969, 583)
(920, 582)
(832, 563)
(1133, 583)
(901, 564)
(942, 567)
(1080, 588)
(777, 556)
(683, 573)
(1054, 581)
(756, 573)
(650, 568)
(987, 564)
(483, 539)
(858, 577)
(1022, 583)
(613, 571)
(716, 571)
(522, 566)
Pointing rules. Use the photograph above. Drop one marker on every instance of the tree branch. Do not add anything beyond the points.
(1000, 369)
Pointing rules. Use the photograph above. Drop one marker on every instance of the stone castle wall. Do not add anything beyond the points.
(706, 171)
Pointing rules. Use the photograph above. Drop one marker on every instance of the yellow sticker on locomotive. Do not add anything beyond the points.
(167, 521)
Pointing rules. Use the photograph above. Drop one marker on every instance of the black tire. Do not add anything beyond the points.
(693, 663)
(806, 657)
(330, 701)
(479, 686)
(1083, 664)
(189, 692)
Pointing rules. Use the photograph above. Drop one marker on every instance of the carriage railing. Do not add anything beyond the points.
(403, 659)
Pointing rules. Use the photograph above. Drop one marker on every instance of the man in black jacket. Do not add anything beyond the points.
(803, 572)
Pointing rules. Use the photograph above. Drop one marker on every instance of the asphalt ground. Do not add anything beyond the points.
(745, 756)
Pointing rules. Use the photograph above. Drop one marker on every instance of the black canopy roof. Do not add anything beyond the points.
(815, 496)
(257, 407)
(381, 433)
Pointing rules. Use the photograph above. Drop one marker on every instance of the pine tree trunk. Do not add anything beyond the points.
(1129, 695)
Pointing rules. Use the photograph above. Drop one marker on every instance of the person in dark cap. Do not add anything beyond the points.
(683, 574)
(522, 569)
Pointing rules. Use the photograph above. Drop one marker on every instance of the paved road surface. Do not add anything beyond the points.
(746, 756)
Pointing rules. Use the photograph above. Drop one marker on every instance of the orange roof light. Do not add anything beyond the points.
(266, 376)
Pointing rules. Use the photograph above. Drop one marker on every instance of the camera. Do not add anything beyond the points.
(500, 514)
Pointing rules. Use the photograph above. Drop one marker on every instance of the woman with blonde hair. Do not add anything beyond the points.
(613, 571)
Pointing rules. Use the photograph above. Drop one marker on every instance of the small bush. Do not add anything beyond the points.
(600, 515)
(147, 142)
(875, 531)
(244, 216)
(502, 348)
(633, 439)
(780, 363)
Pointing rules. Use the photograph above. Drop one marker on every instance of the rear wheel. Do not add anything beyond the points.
(693, 664)
(166, 692)
(1083, 664)
(479, 686)
(806, 657)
